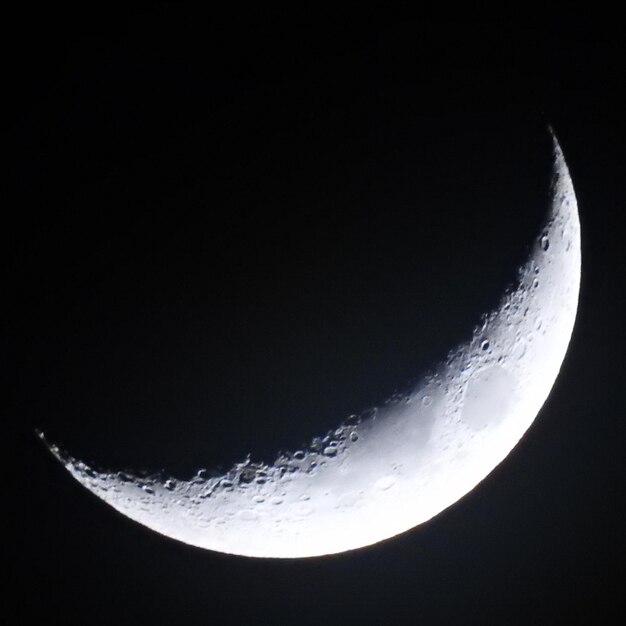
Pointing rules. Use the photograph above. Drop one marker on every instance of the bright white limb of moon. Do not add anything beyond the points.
(401, 464)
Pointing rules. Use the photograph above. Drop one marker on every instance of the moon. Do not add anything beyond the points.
(379, 474)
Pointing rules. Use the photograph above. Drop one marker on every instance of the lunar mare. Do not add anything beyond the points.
(398, 465)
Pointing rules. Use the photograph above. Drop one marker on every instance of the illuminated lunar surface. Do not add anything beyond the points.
(398, 465)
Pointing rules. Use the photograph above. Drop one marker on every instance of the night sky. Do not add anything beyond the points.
(223, 239)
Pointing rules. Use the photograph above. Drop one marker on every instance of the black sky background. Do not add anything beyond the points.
(225, 239)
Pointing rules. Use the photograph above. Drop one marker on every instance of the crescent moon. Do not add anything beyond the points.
(401, 464)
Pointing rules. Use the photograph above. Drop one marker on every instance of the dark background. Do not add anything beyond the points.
(225, 238)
